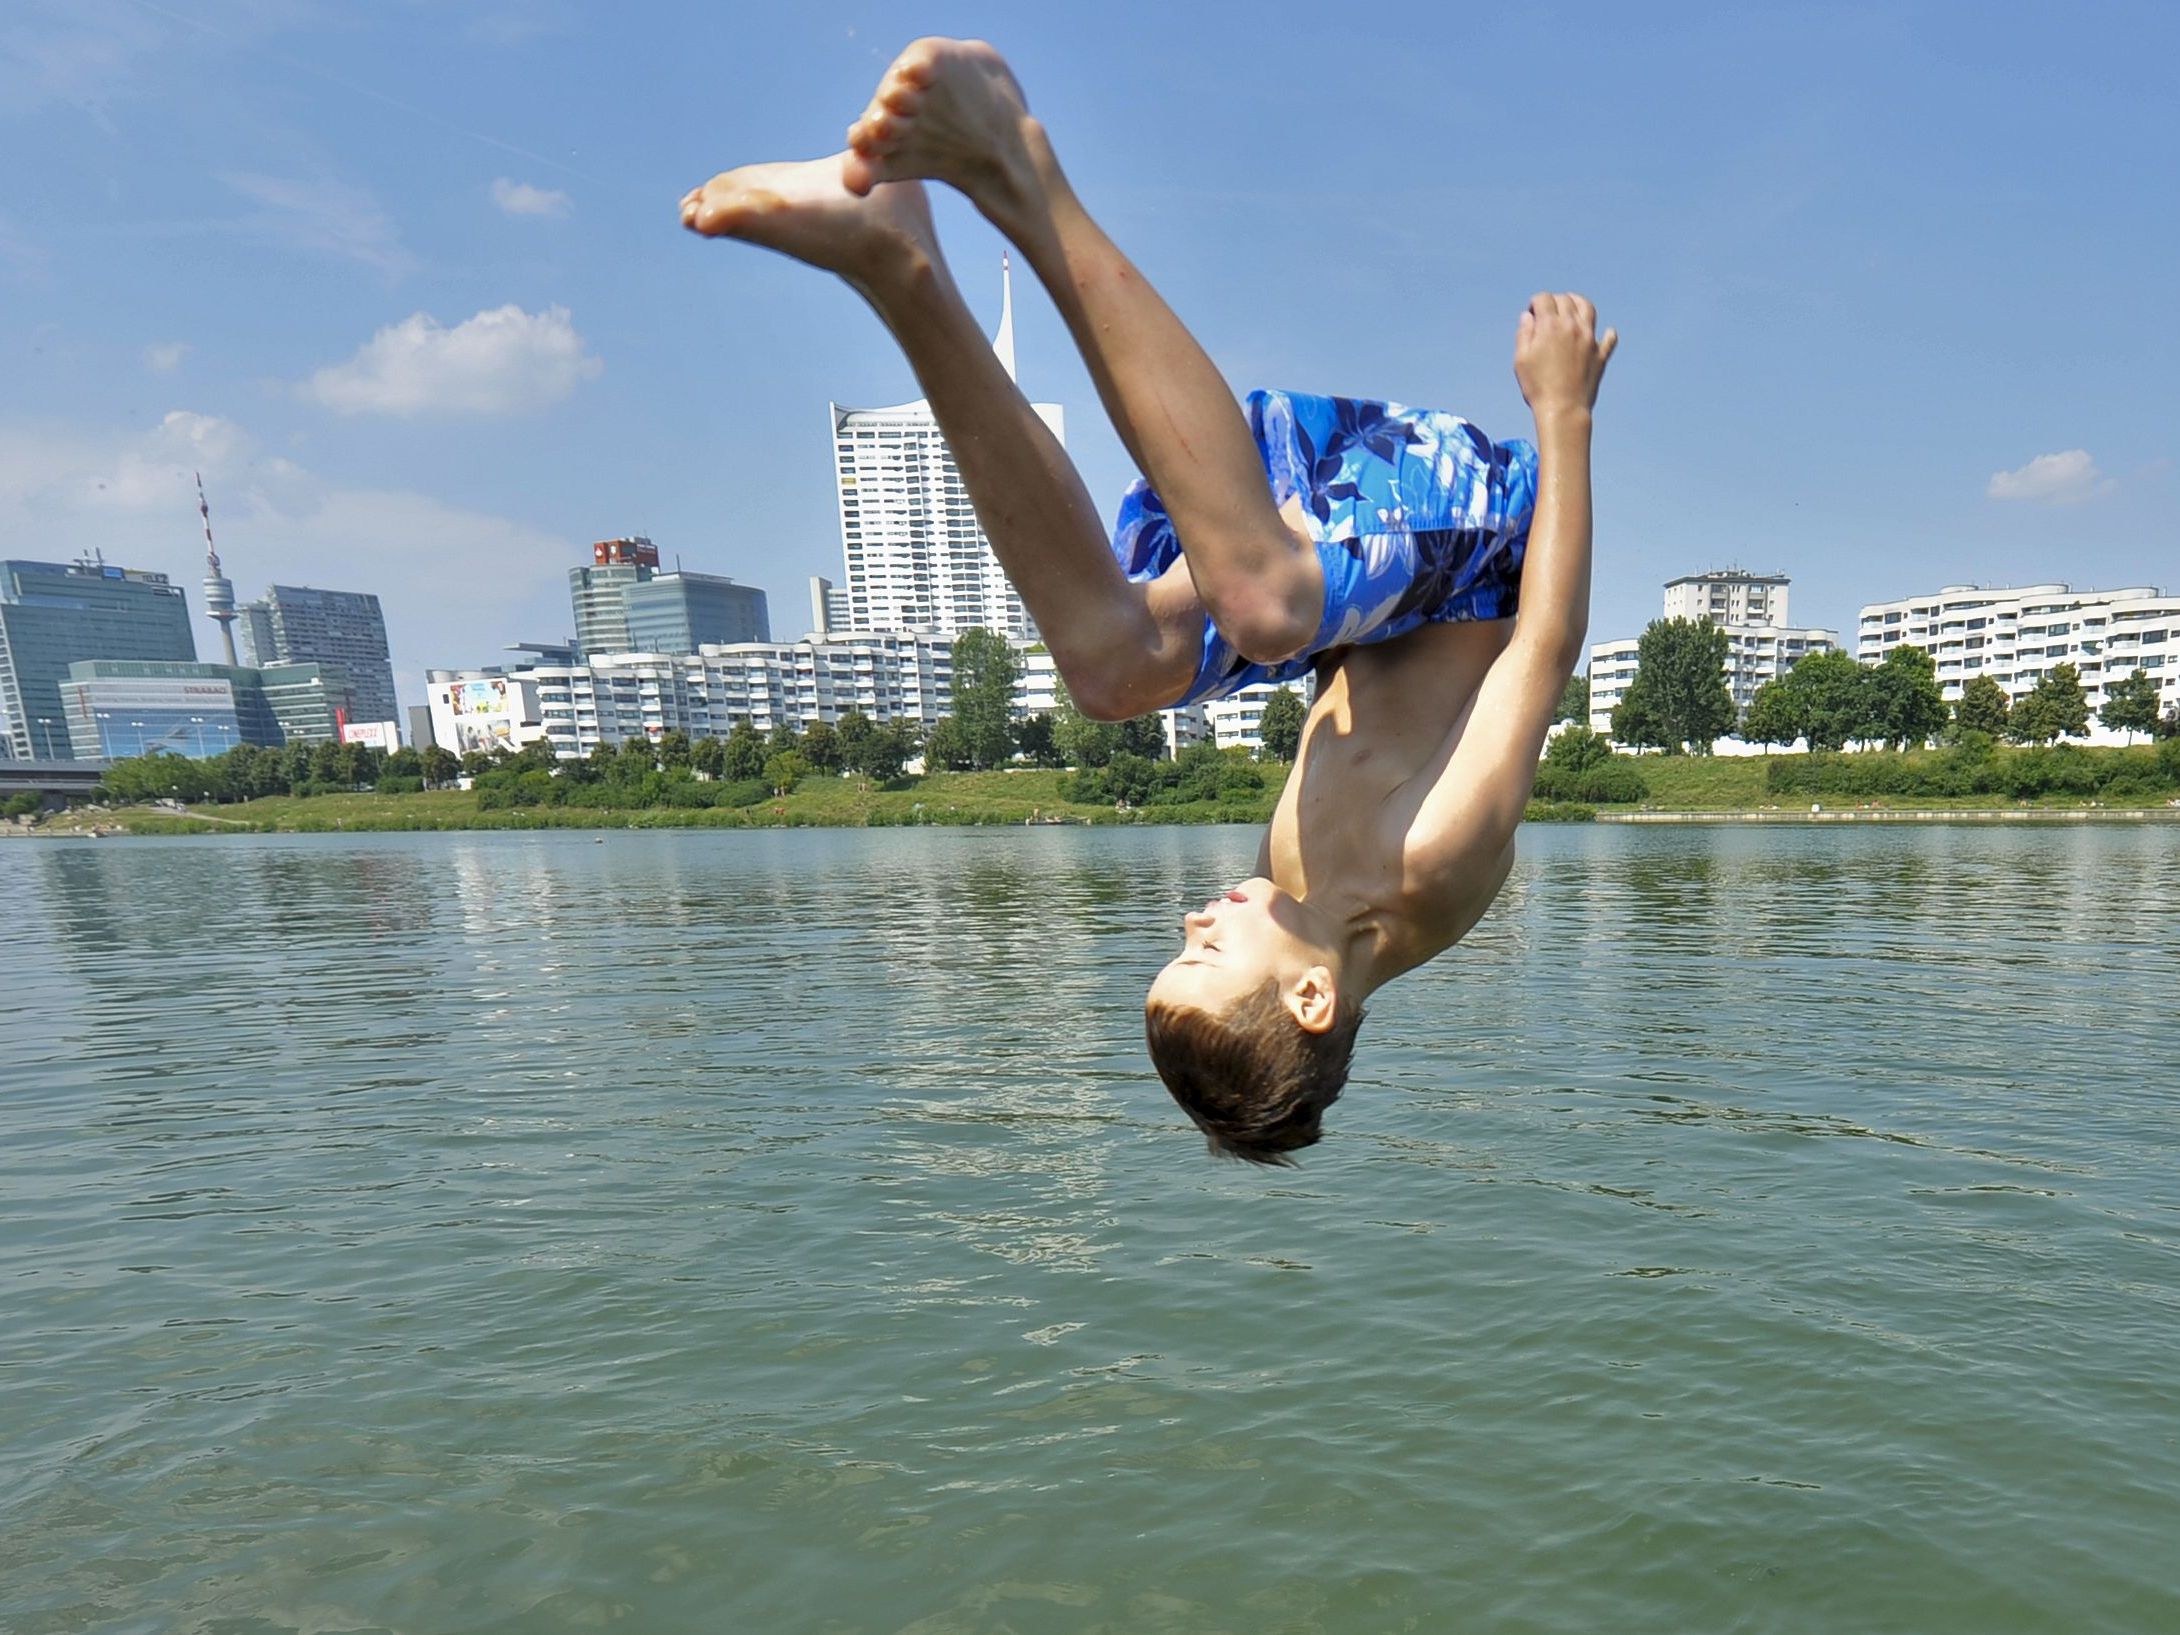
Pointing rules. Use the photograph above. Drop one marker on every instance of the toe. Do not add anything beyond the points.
(918, 63)
(857, 174)
(900, 98)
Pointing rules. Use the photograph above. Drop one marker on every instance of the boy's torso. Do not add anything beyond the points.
(1378, 738)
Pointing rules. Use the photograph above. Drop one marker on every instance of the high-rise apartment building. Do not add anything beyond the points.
(916, 557)
(1760, 645)
(1728, 596)
(53, 614)
(2016, 635)
(300, 624)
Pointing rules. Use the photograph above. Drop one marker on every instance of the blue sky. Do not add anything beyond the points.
(1894, 283)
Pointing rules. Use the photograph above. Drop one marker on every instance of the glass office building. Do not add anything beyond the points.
(123, 707)
(680, 612)
(300, 624)
(53, 614)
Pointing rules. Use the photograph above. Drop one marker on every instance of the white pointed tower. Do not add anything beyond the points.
(1003, 342)
(219, 590)
(916, 558)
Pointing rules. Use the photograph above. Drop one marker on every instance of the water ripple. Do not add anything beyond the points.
(1743, 1231)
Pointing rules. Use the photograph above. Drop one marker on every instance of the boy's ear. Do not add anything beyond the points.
(1313, 1002)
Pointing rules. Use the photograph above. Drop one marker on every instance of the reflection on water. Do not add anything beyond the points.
(1767, 1230)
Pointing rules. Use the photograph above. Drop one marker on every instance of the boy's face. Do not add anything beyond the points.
(1231, 946)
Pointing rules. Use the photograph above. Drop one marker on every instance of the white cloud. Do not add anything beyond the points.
(78, 52)
(324, 218)
(164, 357)
(521, 199)
(456, 584)
(2052, 479)
(504, 361)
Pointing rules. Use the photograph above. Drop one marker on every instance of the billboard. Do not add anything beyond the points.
(384, 736)
(484, 714)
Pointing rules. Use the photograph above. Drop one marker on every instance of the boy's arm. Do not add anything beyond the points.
(1479, 793)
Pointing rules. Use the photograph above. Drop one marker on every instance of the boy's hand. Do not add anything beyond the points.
(1557, 356)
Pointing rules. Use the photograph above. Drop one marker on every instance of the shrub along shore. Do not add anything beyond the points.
(1580, 778)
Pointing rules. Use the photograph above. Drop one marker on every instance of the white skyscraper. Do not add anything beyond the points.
(916, 558)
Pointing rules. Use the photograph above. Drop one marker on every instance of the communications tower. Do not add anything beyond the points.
(219, 590)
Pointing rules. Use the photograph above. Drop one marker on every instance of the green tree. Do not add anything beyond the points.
(783, 739)
(1281, 727)
(1981, 707)
(986, 668)
(1579, 765)
(1635, 721)
(23, 805)
(1131, 779)
(1771, 718)
(1033, 740)
(948, 747)
(1143, 735)
(1906, 709)
(440, 764)
(359, 765)
(875, 752)
(1574, 701)
(2056, 707)
(784, 770)
(254, 771)
(1077, 739)
(854, 726)
(1830, 698)
(157, 776)
(821, 747)
(744, 753)
(1678, 697)
(709, 756)
(674, 748)
(2130, 705)
(1577, 750)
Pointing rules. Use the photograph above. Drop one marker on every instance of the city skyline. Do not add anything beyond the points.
(430, 327)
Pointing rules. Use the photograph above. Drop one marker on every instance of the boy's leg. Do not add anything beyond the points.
(950, 110)
(1123, 648)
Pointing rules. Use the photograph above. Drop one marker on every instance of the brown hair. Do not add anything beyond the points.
(1256, 1081)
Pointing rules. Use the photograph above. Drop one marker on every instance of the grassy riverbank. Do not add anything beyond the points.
(944, 798)
(1693, 787)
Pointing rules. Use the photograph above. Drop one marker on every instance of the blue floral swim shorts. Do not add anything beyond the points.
(1418, 518)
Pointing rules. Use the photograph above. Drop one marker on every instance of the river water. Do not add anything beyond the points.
(781, 1232)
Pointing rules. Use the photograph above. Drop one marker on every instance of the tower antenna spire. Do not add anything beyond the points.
(219, 591)
(1003, 343)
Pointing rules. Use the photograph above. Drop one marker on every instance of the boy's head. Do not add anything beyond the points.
(1248, 1026)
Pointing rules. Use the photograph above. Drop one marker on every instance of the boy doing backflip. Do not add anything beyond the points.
(1382, 547)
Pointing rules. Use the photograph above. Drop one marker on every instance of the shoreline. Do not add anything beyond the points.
(1902, 814)
(332, 818)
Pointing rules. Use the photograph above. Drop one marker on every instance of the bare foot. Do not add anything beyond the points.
(950, 111)
(802, 210)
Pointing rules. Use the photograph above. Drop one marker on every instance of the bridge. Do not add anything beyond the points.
(55, 780)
